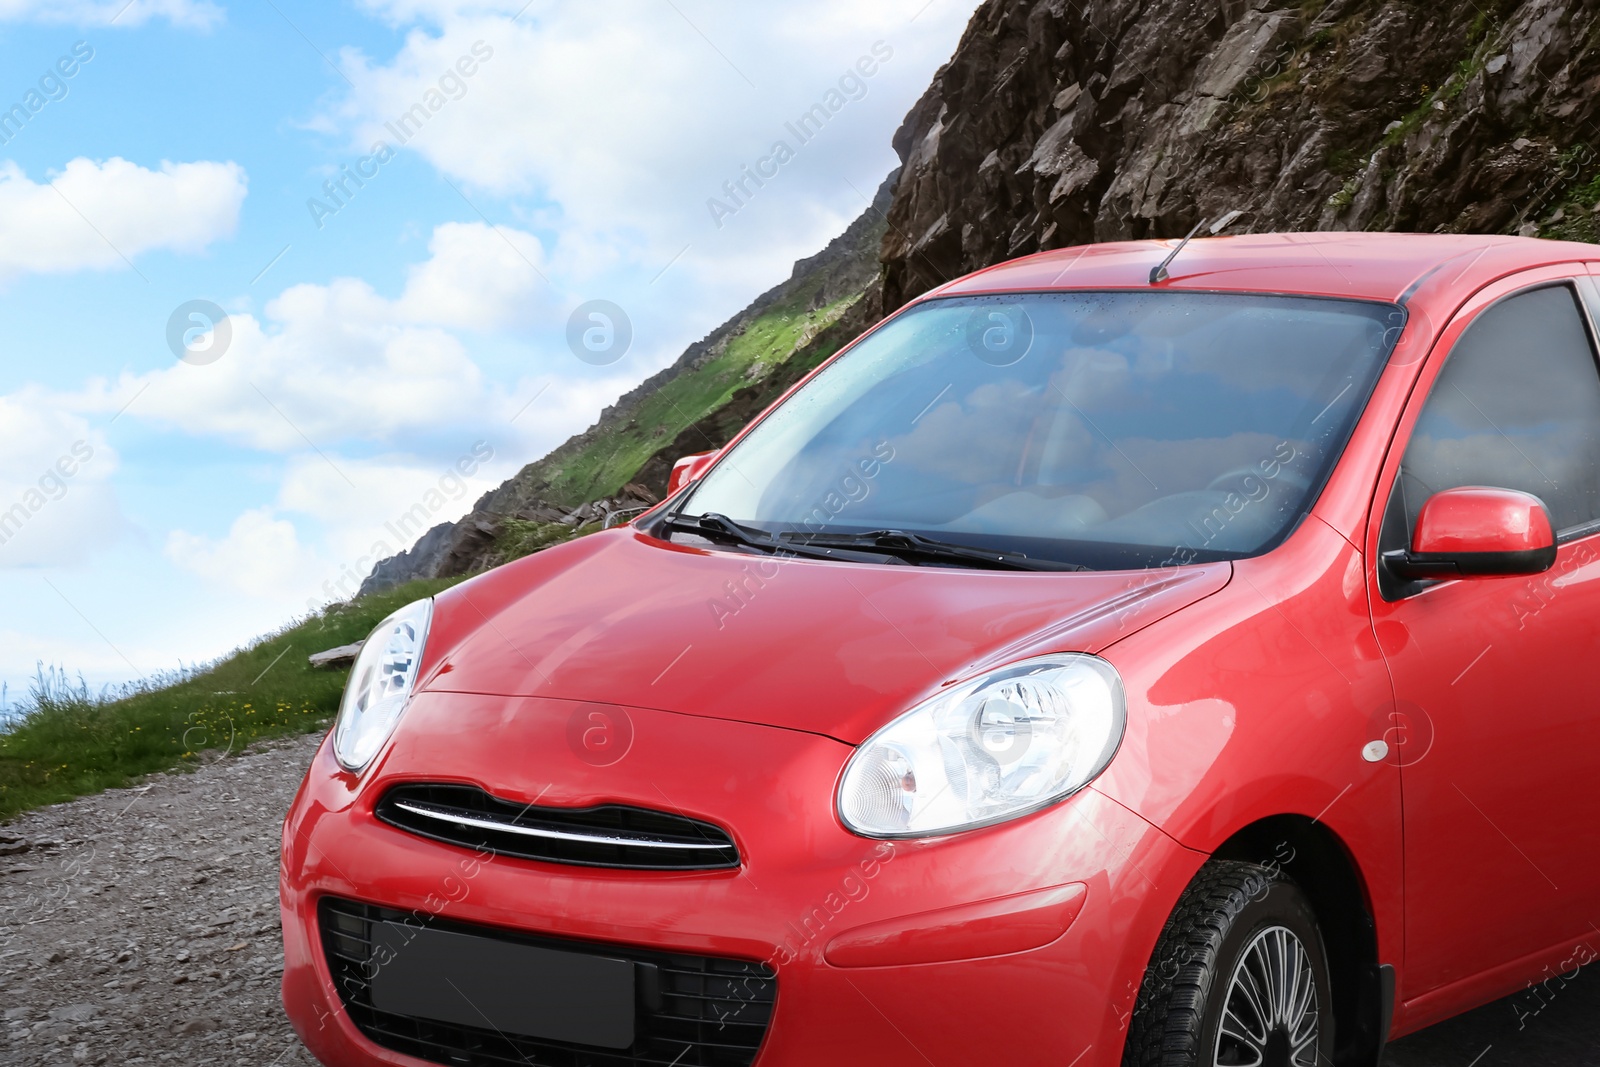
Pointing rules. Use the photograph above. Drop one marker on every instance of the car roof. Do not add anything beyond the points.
(1392, 267)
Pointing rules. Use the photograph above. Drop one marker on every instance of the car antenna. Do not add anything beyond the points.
(1159, 272)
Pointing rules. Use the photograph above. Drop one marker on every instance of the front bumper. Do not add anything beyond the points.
(943, 950)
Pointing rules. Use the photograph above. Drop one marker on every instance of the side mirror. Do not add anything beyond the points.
(689, 469)
(1478, 532)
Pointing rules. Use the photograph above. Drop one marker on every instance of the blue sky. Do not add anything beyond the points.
(166, 510)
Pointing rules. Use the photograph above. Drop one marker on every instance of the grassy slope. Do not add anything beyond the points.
(72, 743)
(603, 467)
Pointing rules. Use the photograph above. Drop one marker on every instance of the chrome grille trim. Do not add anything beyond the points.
(630, 840)
(609, 835)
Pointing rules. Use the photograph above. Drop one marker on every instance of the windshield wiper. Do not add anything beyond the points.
(912, 546)
(717, 527)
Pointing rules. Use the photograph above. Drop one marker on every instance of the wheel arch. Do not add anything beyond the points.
(1326, 870)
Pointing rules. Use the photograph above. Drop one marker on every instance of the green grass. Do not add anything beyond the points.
(1467, 67)
(603, 468)
(1344, 162)
(1579, 224)
(1577, 201)
(519, 537)
(1347, 193)
(69, 741)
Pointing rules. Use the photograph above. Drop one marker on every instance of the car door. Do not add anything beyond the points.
(1496, 724)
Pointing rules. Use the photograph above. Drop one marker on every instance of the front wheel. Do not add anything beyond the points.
(1238, 979)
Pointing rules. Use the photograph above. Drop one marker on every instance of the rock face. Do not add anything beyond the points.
(1058, 123)
(336, 658)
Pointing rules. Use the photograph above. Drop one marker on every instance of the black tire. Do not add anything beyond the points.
(1229, 911)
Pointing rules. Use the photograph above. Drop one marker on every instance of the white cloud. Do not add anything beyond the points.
(351, 513)
(379, 490)
(626, 126)
(331, 364)
(479, 278)
(261, 556)
(56, 501)
(193, 14)
(383, 508)
(437, 11)
(101, 215)
(386, 492)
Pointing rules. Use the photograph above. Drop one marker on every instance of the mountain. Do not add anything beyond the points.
(716, 386)
(1058, 123)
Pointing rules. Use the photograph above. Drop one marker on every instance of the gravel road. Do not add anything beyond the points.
(141, 926)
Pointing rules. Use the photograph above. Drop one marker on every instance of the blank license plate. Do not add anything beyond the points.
(521, 990)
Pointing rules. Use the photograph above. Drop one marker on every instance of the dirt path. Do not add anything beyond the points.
(141, 926)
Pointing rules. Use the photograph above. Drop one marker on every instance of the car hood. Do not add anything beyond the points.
(838, 649)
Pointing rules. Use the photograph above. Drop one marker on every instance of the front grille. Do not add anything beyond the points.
(693, 1011)
(606, 836)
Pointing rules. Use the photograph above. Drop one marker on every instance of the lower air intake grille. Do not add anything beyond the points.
(608, 836)
(693, 1011)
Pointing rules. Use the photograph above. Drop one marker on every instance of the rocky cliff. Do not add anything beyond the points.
(1058, 123)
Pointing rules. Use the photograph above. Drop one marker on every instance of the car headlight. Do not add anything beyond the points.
(1001, 745)
(380, 685)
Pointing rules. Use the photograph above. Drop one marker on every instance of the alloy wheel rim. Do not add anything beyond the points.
(1270, 1017)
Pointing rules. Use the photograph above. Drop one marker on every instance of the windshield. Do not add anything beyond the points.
(1107, 429)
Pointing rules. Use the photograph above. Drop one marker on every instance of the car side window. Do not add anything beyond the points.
(1517, 406)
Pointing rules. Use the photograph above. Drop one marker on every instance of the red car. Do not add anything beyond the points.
(1113, 657)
